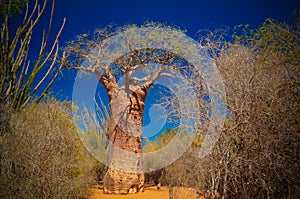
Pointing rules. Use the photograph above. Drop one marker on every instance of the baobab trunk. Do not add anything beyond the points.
(125, 173)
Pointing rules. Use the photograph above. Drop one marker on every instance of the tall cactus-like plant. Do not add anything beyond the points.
(18, 86)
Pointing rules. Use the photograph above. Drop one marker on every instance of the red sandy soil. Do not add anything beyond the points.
(149, 193)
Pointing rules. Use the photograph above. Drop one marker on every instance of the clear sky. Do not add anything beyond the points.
(191, 15)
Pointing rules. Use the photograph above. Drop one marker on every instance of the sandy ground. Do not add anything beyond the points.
(149, 193)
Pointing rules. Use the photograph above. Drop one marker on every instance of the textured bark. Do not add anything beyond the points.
(125, 173)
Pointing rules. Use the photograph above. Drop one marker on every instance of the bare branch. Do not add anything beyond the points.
(154, 78)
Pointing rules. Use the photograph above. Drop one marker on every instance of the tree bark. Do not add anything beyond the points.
(125, 173)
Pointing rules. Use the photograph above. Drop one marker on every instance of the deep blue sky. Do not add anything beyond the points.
(191, 15)
(85, 16)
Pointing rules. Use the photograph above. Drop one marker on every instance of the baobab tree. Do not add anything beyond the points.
(138, 57)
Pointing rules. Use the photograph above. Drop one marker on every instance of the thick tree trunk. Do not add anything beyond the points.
(125, 173)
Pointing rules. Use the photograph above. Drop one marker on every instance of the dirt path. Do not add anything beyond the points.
(149, 193)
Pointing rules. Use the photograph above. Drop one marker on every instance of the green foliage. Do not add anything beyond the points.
(10, 7)
(166, 137)
(197, 142)
(270, 37)
(161, 141)
(151, 146)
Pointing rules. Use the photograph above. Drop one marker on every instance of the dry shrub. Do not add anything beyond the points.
(184, 193)
(257, 154)
(186, 171)
(41, 154)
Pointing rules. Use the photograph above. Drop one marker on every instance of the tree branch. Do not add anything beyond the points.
(108, 81)
(153, 78)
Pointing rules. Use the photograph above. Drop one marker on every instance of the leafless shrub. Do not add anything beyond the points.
(257, 155)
